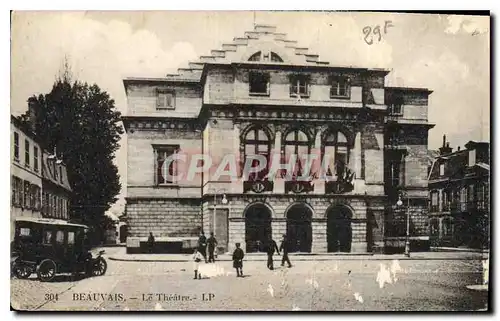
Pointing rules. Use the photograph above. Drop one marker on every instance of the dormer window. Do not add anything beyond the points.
(259, 83)
(299, 86)
(165, 99)
(265, 56)
(340, 87)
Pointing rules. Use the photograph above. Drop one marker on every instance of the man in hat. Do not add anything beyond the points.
(285, 246)
(271, 247)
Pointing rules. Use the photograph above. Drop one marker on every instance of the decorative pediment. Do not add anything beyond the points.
(263, 45)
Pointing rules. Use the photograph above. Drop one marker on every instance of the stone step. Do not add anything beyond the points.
(229, 47)
(265, 28)
(218, 53)
(207, 58)
(196, 65)
(301, 50)
(241, 41)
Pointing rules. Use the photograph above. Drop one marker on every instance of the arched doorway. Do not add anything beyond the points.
(338, 229)
(298, 227)
(257, 227)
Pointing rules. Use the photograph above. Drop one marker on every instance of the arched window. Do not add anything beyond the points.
(256, 56)
(257, 142)
(275, 57)
(336, 151)
(296, 143)
(265, 56)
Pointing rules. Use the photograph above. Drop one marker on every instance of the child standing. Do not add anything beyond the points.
(197, 257)
(238, 260)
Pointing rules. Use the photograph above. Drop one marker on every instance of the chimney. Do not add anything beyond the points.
(32, 116)
(458, 148)
(445, 149)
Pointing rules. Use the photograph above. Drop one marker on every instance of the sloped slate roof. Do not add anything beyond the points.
(55, 176)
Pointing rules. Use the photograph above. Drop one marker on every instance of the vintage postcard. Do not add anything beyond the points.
(250, 160)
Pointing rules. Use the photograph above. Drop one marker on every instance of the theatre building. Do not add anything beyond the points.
(262, 94)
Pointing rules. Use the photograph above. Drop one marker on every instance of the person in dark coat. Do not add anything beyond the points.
(285, 246)
(202, 245)
(151, 242)
(212, 243)
(238, 256)
(271, 247)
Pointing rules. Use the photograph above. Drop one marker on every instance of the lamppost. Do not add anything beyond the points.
(407, 242)
(224, 202)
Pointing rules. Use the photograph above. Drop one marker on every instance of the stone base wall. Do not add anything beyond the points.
(185, 217)
(163, 217)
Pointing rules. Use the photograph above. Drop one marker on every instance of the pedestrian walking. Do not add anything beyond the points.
(151, 242)
(202, 245)
(271, 247)
(285, 246)
(238, 256)
(197, 257)
(212, 244)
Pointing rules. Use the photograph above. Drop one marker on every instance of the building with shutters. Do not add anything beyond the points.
(40, 186)
(263, 94)
(459, 196)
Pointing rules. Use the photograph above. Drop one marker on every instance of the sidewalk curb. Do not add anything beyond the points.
(310, 258)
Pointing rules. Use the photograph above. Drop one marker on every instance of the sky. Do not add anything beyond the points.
(447, 54)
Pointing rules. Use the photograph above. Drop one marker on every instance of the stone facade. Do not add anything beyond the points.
(217, 108)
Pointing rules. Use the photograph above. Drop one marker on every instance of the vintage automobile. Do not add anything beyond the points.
(52, 246)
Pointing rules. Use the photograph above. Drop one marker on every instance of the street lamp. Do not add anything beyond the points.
(224, 202)
(407, 242)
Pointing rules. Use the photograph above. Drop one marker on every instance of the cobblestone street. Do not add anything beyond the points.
(419, 285)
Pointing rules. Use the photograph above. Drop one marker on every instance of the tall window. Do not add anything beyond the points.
(165, 167)
(259, 83)
(335, 153)
(257, 142)
(434, 201)
(446, 200)
(395, 169)
(395, 109)
(165, 99)
(296, 143)
(463, 198)
(340, 87)
(299, 86)
(26, 153)
(16, 146)
(395, 105)
(441, 169)
(481, 196)
(27, 198)
(35, 158)
(470, 193)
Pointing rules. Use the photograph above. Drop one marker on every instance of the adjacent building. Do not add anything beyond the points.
(459, 193)
(263, 94)
(39, 181)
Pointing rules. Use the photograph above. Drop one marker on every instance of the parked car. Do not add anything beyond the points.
(51, 246)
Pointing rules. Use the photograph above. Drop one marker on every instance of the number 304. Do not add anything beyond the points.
(51, 297)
